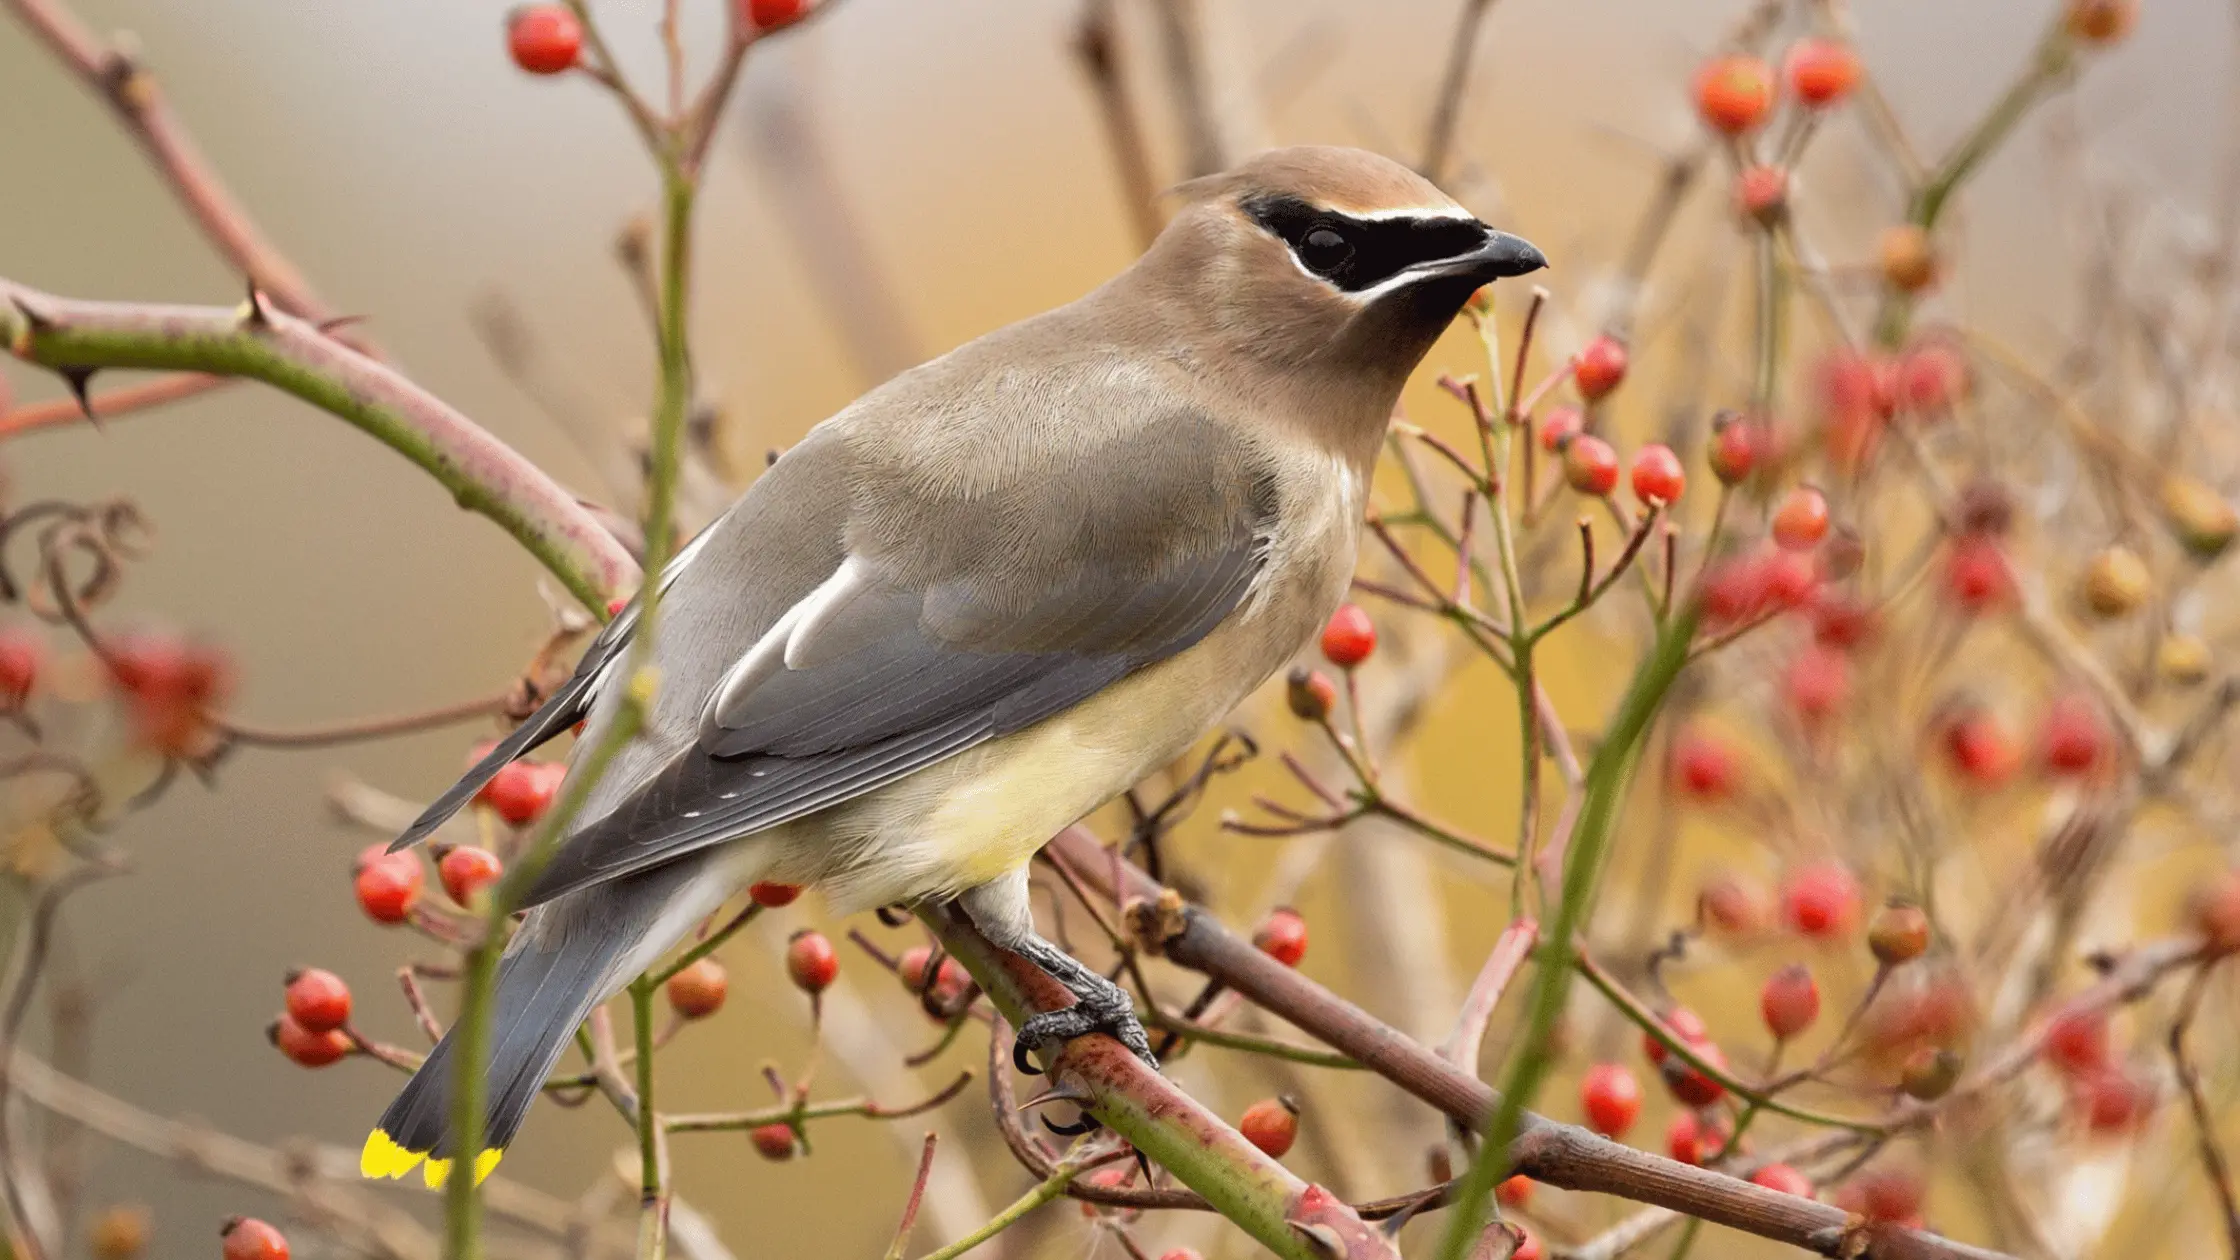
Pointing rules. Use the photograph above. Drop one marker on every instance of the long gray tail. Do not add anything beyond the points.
(571, 954)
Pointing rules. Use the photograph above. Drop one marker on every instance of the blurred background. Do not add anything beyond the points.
(894, 180)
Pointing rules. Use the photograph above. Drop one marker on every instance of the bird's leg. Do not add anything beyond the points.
(1002, 912)
(1099, 1005)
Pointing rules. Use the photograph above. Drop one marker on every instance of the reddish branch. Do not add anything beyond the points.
(256, 340)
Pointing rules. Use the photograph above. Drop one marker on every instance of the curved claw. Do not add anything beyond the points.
(1084, 1123)
(1020, 1063)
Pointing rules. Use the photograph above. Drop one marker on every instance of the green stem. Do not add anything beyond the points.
(1607, 779)
(653, 1206)
(2049, 62)
(461, 1203)
(713, 943)
(1049, 1188)
(462, 1206)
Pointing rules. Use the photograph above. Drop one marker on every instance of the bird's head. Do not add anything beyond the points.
(1329, 260)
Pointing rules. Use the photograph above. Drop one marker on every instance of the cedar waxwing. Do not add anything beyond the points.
(983, 600)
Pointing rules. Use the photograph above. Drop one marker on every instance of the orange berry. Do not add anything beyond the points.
(466, 870)
(773, 896)
(1611, 1099)
(2101, 21)
(1822, 71)
(774, 1142)
(1282, 936)
(1272, 1124)
(388, 887)
(305, 1047)
(1734, 93)
(247, 1238)
(1909, 258)
(317, 1000)
(1600, 367)
(1821, 900)
(811, 962)
(1349, 638)
(1802, 519)
(544, 38)
(698, 991)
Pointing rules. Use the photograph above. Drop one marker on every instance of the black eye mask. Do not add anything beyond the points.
(1358, 254)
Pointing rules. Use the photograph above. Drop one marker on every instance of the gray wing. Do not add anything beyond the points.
(948, 622)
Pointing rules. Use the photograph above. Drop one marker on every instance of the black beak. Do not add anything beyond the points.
(1500, 257)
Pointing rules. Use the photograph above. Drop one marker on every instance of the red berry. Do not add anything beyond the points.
(21, 655)
(1734, 451)
(811, 962)
(1349, 638)
(1692, 1140)
(1734, 93)
(1931, 376)
(949, 981)
(305, 1047)
(698, 991)
(1309, 693)
(317, 1000)
(1802, 519)
(1732, 908)
(1689, 1085)
(1562, 425)
(389, 887)
(1685, 1025)
(1761, 193)
(771, 14)
(1821, 900)
(1898, 934)
(1822, 71)
(1514, 1192)
(1272, 1124)
(1282, 936)
(2114, 1101)
(523, 790)
(772, 896)
(774, 1142)
(170, 687)
(2074, 738)
(2101, 21)
(1818, 682)
(1179, 1253)
(1528, 1246)
(1888, 1195)
(1703, 766)
(544, 38)
(2215, 911)
(1790, 1001)
(1975, 574)
(1657, 475)
(1611, 1098)
(2076, 1041)
(1600, 366)
(1783, 1178)
(1734, 591)
(1792, 579)
(1979, 748)
(1840, 622)
(247, 1238)
(1590, 465)
(466, 870)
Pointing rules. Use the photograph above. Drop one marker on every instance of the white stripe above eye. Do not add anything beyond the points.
(1449, 214)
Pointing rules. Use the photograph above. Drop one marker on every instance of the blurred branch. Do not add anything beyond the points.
(1096, 43)
(1182, 41)
(1439, 142)
(78, 338)
(131, 91)
(106, 405)
(2213, 1162)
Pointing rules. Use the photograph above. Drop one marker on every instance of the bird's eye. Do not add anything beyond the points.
(1324, 250)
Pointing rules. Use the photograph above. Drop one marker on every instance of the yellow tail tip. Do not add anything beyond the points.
(382, 1157)
(438, 1171)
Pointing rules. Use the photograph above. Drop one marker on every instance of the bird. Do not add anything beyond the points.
(981, 601)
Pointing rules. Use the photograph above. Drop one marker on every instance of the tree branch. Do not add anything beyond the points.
(1288, 1216)
(290, 354)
